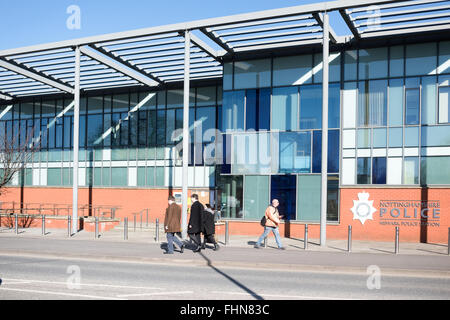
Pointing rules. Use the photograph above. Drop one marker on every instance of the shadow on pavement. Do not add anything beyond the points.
(240, 285)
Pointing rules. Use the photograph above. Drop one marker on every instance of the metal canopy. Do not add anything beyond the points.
(154, 57)
(398, 18)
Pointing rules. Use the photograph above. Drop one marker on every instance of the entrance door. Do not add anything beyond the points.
(283, 188)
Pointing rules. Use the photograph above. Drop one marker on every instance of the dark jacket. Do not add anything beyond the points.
(209, 227)
(196, 218)
(172, 221)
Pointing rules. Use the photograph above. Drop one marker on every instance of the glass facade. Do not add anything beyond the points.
(259, 136)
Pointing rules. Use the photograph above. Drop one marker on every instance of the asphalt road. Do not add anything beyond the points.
(34, 278)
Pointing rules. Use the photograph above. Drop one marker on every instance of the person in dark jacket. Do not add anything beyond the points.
(196, 222)
(209, 228)
(172, 225)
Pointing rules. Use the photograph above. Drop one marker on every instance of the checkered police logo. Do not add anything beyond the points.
(363, 209)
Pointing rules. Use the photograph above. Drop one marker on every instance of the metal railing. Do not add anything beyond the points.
(52, 209)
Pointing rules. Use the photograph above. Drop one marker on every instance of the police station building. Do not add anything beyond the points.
(343, 129)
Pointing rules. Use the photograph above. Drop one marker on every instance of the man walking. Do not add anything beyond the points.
(272, 223)
(209, 228)
(196, 222)
(172, 226)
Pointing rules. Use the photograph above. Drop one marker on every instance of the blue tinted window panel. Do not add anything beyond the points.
(264, 109)
(285, 109)
(334, 106)
(379, 171)
(295, 152)
(251, 110)
(309, 198)
(396, 102)
(395, 137)
(435, 170)
(311, 107)
(412, 114)
(283, 188)
(363, 170)
(233, 111)
(333, 151)
(437, 136)
(412, 137)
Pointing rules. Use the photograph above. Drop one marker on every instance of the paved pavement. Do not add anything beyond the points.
(141, 247)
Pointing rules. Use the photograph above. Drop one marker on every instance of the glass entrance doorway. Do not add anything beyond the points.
(283, 188)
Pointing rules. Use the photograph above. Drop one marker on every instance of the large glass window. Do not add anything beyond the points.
(295, 152)
(283, 188)
(95, 130)
(396, 61)
(228, 76)
(230, 196)
(333, 151)
(429, 100)
(421, 59)
(285, 109)
(233, 110)
(411, 136)
(351, 64)
(256, 196)
(334, 106)
(252, 74)
(412, 113)
(444, 104)
(311, 107)
(363, 171)
(258, 109)
(411, 170)
(396, 102)
(379, 171)
(334, 65)
(435, 136)
(373, 63)
(435, 170)
(372, 107)
(292, 70)
(379, 137)
(251, 154)
(395, 137)
(309, 198)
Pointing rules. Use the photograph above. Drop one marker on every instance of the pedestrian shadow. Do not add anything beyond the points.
(384, 251)
(429, 251)
(234, 281)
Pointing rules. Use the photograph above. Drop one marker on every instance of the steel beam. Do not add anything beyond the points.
(186, 140)
(35, 76)
(205, 47)
(416, 29)
(114, 64)
(403, 20)
(4, 96)
(319, 19)
(206, 23)
(324, 186)
(350, 24)
(76, 139)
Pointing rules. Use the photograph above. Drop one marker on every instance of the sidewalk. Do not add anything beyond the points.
(141, 247)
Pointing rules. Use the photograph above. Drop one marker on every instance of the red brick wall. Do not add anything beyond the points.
(134, 200)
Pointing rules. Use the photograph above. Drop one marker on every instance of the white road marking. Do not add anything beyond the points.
(279, 296)
(154, 294)
(82, 284)
(60, 294)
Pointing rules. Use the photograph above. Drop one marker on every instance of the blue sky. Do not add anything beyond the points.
(30, 22)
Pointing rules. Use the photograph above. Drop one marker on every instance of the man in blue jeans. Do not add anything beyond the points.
(172, 226)
(272, 223)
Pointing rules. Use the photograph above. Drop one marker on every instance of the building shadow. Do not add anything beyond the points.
(234, 281)
(287, 229)
(424, 219)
